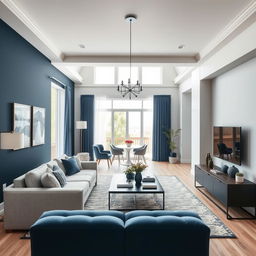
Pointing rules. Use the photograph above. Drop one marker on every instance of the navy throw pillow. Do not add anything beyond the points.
(60, 175)
(71, 166)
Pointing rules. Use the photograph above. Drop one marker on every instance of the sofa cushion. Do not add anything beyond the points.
(33, 177)
(166, 235)
(19, 182)
(71, 166)
(59, 162)
(78, 235)
(66, 213)
(48, 180)
(157, 213)
(84, 175)
(60, 175)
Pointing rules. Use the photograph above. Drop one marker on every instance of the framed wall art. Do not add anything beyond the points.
(38, 128)
(22, 122)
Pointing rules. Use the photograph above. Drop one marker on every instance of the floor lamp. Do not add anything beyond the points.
(81, 125)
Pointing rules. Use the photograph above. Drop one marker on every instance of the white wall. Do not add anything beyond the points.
(111, 92)
(185, 121)
(239, 50)
(234, 104)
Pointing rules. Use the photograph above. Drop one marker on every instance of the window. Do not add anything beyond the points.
(57, 121)
(124, 74)
(127, 104)
(151, 75)
(104, 75)
(123, 119)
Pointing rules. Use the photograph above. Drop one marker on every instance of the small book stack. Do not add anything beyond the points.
(125, 185)
(148, 179)
(149, 185)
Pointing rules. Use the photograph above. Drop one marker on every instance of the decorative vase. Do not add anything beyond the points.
(208, 158)
(232, 170)
(128, 144)
(211, 164)
(129, 176)
(138, 178)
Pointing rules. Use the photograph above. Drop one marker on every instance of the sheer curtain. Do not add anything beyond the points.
(102, 134)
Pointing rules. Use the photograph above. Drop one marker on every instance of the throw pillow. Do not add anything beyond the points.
(33, 177)
(71, 166)
(78, 162)
(60, 176)
(49, 180)
(60, 164)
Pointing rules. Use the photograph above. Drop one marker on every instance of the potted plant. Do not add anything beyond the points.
(137, 169)
(128, 143)
(171, 136)
(239, 177)
(129, 174)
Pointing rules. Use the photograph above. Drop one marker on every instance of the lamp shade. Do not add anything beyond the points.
(12, 140)
(81, 124)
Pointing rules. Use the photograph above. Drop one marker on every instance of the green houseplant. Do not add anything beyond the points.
(171, 136)
(137, 169)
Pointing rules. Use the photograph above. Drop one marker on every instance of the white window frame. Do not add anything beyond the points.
(60, 115)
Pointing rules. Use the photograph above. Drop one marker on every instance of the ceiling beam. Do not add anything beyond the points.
(94, 60)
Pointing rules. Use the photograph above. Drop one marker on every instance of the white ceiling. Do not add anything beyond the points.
(162, 25)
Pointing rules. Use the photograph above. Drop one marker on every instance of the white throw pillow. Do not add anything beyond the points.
(48, 180)
(33, 177)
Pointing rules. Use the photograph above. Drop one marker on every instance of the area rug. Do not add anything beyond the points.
(177, 197)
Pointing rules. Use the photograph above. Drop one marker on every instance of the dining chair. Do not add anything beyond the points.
(100, 154)
(116, 152)
(140, 153)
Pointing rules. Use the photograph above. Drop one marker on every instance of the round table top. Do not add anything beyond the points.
(124, 146)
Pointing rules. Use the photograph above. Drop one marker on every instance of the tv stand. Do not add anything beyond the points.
(226, 190)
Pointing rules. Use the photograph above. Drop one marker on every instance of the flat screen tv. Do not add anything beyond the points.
(227, 143)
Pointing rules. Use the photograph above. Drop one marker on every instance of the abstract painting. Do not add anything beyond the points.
(22, 122)
(38, 126)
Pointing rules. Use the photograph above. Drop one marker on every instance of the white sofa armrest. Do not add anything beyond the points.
(89, 165)
(23, 206)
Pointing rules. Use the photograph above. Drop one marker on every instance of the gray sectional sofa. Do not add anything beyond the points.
(23, 205)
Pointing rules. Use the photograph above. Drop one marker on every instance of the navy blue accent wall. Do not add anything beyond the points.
(24, 78)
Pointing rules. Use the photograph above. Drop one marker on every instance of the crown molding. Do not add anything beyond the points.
(73, 75)
(23, 25)
(245, 18)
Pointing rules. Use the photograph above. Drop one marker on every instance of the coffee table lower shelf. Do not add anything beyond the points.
(145, 192)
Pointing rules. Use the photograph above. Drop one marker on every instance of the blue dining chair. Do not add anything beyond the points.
(100, 154)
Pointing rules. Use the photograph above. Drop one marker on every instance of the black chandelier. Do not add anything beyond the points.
(129, 89)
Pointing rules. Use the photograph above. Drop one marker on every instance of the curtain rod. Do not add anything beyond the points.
(56, 80)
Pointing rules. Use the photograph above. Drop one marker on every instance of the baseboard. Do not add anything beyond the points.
(2, 208)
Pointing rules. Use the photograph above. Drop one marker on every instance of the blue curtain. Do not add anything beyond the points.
(87, 114)
(68, 131)
(161, 122)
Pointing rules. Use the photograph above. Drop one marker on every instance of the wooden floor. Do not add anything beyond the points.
(245, 230)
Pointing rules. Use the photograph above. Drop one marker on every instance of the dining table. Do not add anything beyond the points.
(127, 149)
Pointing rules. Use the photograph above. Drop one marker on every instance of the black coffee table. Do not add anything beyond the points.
(120, 178)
